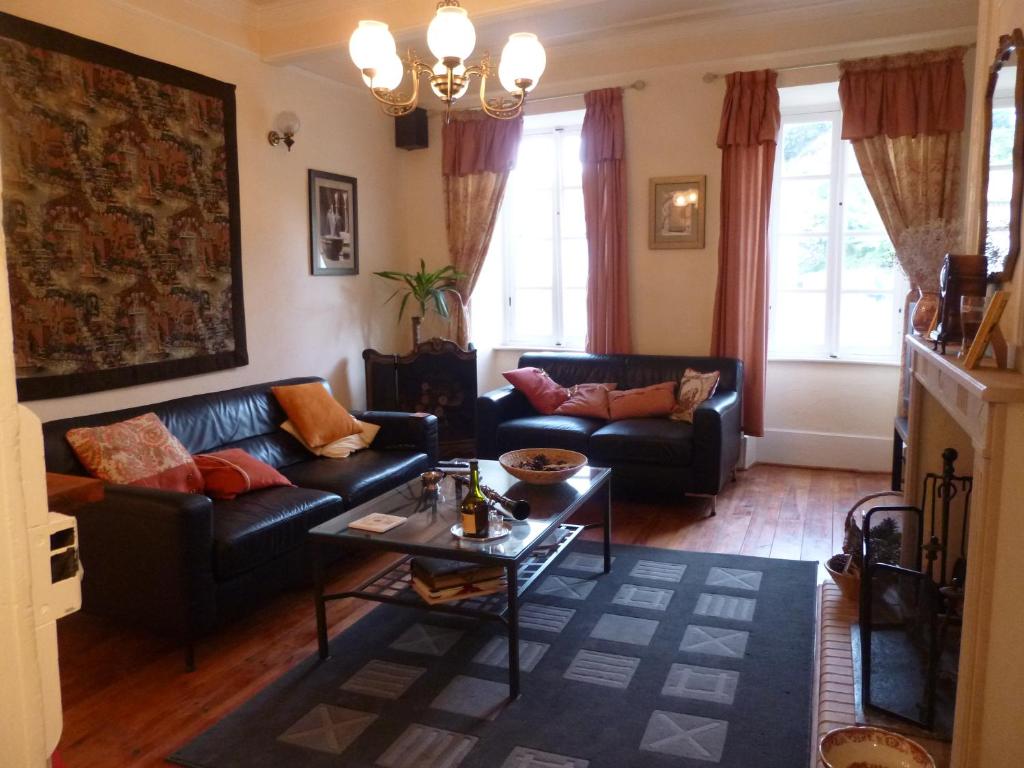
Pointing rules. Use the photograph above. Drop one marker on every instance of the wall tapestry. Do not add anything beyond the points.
(120, 205)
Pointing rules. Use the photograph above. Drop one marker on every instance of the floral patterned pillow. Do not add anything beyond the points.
(137, 451)
(694, 388)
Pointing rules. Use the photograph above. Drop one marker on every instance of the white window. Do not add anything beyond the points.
(543, 237)
(1000, 179)
(837, 291)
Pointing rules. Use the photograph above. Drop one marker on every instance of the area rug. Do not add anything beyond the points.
(672, 659)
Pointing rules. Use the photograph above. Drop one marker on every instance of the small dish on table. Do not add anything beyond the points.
(867, 747)
(542, 466)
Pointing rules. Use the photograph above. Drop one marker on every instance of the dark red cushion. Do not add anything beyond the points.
(232, 472)
(542, 392)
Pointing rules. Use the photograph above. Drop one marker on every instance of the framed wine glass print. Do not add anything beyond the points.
(333, 224)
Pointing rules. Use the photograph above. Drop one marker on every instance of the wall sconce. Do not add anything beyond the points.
(286, 128)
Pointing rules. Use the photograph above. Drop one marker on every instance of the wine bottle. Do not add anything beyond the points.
(473, 510)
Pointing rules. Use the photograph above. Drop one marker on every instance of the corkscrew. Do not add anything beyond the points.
(518, 508)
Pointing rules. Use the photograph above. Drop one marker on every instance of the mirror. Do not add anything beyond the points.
(1003, 160)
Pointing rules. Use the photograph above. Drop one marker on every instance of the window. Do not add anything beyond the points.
(1000, 179)
(543, 237)
(836, 289)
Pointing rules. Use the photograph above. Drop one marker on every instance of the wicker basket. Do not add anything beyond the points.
(843, 568)
(848, 581)
(512, 460)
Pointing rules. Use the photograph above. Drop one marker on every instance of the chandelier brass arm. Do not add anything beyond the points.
(449, 86)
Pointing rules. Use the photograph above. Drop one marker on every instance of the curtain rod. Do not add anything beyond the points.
(710, 77)
(636, 85)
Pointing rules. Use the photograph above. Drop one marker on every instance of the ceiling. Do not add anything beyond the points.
(313, 34)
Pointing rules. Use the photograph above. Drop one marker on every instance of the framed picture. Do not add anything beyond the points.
(333, 224)
(121, 215)
(677, 212)
(988, 332)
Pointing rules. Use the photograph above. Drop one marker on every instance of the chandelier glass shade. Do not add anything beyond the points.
(451, 39)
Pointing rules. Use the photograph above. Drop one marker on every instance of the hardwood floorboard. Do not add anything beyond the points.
(128, 702)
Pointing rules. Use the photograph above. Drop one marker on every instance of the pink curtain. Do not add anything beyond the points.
(604, 203)
(747, 137)
(478, 153)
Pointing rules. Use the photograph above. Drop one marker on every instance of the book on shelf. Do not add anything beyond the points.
(437, 573)
(460, 592)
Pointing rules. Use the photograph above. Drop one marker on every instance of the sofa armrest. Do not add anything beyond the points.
(404, 431)
(716, 441)
(147, 556)
(492, 408)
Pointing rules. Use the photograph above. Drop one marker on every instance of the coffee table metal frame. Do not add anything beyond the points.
(393, 584)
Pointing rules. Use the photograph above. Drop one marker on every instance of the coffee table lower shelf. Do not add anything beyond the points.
(393, 585)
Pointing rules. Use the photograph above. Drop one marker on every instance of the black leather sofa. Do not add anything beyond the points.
(652, 456)
(181, 563)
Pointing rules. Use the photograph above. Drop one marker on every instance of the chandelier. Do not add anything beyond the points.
(451, 39)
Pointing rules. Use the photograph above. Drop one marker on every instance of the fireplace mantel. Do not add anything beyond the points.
(981, 413)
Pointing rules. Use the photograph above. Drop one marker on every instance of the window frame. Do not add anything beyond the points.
(830, 350)
(549, 125)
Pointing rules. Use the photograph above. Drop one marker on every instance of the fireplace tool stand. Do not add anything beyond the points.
(911, 597)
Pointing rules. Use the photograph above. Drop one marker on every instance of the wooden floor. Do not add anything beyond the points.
(129, 702)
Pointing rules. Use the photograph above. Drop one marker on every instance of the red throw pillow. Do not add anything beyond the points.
(232, 472)
(655, 400)
(543, 393)
(589, 400)
(138, 451)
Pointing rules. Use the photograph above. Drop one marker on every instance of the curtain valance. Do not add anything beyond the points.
(912, 94)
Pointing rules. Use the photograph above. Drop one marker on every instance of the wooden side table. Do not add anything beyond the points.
(66, 493)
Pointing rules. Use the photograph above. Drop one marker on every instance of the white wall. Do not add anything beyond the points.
(818, 414)
(296, 324)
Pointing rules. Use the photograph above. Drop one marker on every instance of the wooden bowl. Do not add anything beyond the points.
(866, 747)
(569, 463)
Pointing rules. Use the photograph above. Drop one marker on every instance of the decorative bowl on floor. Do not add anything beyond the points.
(866, 747)
(542, 466)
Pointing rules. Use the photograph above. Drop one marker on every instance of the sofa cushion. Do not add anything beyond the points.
(643, 441)
(138, 451)
(253, 529)
(232, 472)
(316, 415)
(571, 432)
(544, 394)
(361, 476)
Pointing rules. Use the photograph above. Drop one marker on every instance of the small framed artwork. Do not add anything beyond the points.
(333, 224)
(988, 333)
(677, 212)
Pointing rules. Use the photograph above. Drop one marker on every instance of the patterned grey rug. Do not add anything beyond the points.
(672, 659)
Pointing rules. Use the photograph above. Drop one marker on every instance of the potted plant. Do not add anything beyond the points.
(427, 289)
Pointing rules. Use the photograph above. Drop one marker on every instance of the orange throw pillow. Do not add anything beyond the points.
(655, 400)
(232, 472)
(589, 400)
(317, 416)
(138, 451)
(542, 392)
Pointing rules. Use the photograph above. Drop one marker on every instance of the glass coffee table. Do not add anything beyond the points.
(524, 553)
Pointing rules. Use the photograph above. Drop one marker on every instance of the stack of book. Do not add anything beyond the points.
(444, 581)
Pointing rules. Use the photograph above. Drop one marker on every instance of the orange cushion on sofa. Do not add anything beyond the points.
(587, 400)
(232, 472)
(655, 400)
(542, 392)
(317, 416)
(138, 451)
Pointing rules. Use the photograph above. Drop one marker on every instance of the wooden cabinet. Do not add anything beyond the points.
(438, 377)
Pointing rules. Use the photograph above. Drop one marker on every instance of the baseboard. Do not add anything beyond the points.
(824, 449)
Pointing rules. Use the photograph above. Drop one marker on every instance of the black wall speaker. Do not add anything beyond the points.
(411, 130)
